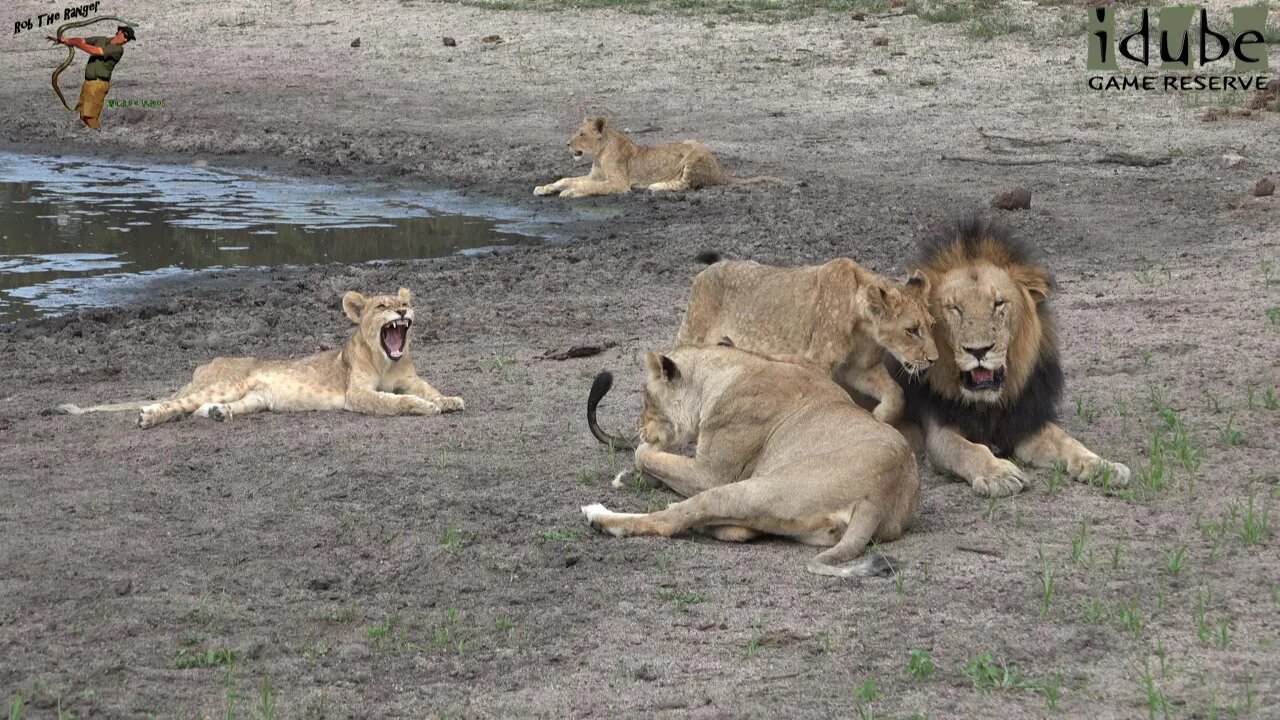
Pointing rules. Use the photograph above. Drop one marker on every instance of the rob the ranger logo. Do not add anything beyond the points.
(1178, 47)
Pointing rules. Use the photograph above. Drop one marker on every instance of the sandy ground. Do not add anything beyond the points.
(439, 567)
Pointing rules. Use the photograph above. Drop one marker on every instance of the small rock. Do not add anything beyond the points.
(1012, 198)
(355, 43)
(880, 41)
(1264, 188)
(353, 651)
(450, 42)
(123, 587)
(859, 16)
(646, 673)
(1232, 160)
(491, 39)
(879, 71)
(897, 3)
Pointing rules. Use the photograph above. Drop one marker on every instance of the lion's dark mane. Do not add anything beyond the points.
(999, 426)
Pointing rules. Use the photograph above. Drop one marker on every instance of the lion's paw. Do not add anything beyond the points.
(1111, 475)
(214, 411)
(1000, 480)
(572, 193)
(451, 404)
(149, 416)
(596, 515)
(545, 190)
(887, 413)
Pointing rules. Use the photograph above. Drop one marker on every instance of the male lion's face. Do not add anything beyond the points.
(902, 324)
(590, 138)
(384, 321)
(668, 404)
(981, 307)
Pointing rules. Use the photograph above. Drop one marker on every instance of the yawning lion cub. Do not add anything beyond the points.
(372, 374)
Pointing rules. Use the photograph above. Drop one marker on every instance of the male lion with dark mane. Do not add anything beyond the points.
(997, 381)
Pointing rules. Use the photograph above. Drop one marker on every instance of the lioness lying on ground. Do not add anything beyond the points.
(618, 165)
(781, 449)
(839, 315)
(372, 374)
(996, 386)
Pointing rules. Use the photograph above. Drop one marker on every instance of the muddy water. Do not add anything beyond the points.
(77, 232)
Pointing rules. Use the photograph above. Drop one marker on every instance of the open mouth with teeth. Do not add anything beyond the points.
(395, 335)
(981, 378)
(577, 154)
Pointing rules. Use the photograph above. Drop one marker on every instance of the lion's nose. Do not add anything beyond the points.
(978, 352)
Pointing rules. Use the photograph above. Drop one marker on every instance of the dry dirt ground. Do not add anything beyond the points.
(338, 565)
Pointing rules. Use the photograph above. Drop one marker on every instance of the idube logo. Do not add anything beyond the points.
(1224, 58)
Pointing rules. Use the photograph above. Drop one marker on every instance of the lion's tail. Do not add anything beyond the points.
(835, 561)
(71, 409)
(757, 179)
(600, 386)
(874, 565)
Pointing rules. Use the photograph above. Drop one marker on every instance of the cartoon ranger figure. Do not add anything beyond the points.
(104, 54)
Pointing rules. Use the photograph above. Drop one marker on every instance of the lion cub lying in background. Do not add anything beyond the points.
(618, 165)
(838, 315)
(781, 449)
(372, 374)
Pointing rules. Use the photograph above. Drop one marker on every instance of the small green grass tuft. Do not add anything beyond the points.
(1048, 581)
(186, 659)
(1176, 560)
(920, 664)
(682, 599)
(561, 535)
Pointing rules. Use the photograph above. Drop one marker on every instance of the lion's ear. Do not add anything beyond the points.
(661, 367)
(919, 282)
(405, 295)
(353, 305)
(1036, 281)
(600, 123)
(880, 299)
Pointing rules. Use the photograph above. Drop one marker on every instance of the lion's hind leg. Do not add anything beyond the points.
(835, 561)
(193, 401)
(252, 402)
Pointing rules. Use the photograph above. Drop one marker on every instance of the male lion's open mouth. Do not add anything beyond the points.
(981, 378)
(394, 335)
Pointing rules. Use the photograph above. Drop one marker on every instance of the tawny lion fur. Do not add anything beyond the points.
(362, 376)
(781, 449)
(838, 315)
(619, 165)
(998, 379)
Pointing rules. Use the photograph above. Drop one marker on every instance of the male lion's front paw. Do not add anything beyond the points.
(148, 416)
(572, 193)
(1110, 475)
(450, 404)
(545, 189)
(1000, 480)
